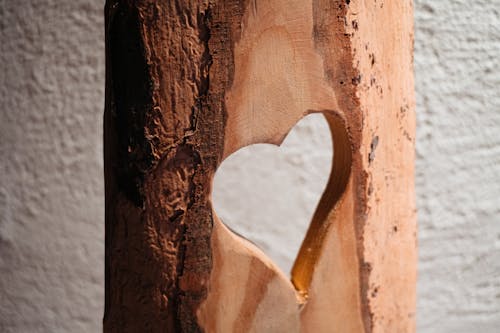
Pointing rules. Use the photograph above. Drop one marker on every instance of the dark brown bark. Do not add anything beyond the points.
(163, 142)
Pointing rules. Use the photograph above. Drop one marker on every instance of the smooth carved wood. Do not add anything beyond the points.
(189, 83)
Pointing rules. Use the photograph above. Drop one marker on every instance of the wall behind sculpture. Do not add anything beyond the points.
(51, 189)
(457, 62)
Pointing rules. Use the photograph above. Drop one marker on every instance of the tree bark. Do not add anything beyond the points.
(190, 82)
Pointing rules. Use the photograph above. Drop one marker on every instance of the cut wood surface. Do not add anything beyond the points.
(190, 82)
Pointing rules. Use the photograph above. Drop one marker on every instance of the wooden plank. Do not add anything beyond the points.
(189, 83)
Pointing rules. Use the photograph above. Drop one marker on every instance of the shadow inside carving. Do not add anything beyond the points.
(310, 249)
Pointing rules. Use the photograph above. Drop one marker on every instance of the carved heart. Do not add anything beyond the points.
(268, 194)
(241, 271)
(278, 79)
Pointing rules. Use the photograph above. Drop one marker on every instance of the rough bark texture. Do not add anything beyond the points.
(188, 83)
(163, 141)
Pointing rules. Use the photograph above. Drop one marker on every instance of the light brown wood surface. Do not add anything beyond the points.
(189, 83)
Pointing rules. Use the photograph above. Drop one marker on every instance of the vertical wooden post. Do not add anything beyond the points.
(190, 82)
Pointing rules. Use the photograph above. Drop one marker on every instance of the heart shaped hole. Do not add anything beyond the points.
(268, 194)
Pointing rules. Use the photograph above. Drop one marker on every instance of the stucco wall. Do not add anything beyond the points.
(457, 66)
(51, 191)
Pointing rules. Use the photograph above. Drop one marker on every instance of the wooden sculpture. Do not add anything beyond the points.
(190, 82)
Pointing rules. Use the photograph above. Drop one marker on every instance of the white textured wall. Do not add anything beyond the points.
(51, 191)
(457, 65)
